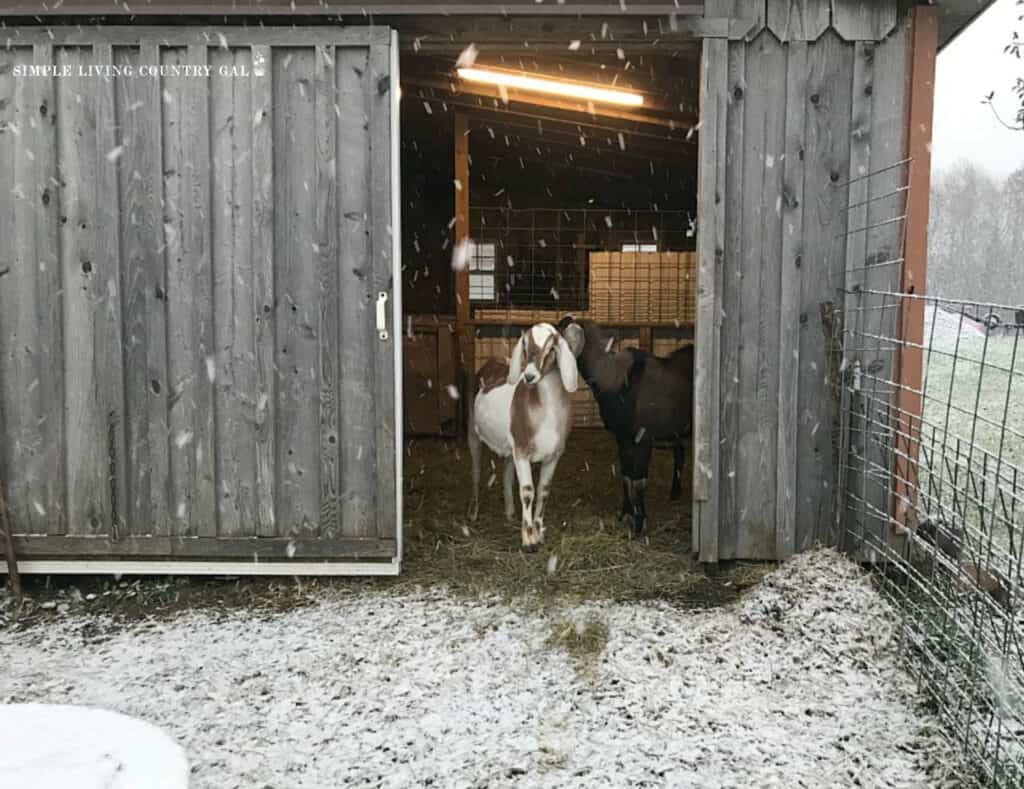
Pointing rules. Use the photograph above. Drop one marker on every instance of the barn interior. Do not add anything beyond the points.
(521, 206)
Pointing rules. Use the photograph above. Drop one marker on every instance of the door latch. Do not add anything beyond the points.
(382, 318)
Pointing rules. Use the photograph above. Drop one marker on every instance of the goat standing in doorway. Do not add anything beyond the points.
(643, 399)
(522, 413)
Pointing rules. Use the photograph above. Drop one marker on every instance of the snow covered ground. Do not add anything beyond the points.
(798, 685)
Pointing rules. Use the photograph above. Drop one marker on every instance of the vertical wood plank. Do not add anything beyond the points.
(789, 300)
(763, 541)
(202, 482)
(107, 268)
(11, 272)
(181, 367)
(86, 437)
(140, 295)
(884, 244)
(234, 324)
(45, 390)
(732, 303)
(356, 282)
(857, 20)
(157, 518)
(797, 20)
(763, 127)
(706, 417)
(827, 106)
(382, 251)
(749, 448)
(48, 303)
(297, 323)
(325, 234)
(264, 295)
(856, 259)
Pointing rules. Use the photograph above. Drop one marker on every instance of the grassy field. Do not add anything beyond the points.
(973, 438)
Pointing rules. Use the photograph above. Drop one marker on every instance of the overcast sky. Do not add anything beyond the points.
(968, 69)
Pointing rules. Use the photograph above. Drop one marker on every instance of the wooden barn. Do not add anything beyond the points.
(228, 230)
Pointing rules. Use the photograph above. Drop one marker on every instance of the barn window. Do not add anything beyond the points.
(639, 247)
(481, 271)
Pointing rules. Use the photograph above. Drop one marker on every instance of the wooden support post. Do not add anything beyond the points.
(921, 75)
(464, 329)
(647, 339)
(8, 537)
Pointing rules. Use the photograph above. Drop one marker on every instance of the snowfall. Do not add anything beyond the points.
(799, 684)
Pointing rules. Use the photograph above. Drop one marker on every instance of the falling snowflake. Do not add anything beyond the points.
(453, 393)
(552, 564)
(461, 254)
(467, 57)
(115, 153)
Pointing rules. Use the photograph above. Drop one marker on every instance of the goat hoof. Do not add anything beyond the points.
(474, 510)
(531, 547)
(628, 522)
(675, 495)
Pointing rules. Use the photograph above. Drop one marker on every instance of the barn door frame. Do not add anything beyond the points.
(396, 293)
(710, 253)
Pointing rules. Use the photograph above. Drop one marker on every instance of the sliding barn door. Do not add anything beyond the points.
(197, 292)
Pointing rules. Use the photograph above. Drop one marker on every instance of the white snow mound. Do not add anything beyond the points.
(59, 746)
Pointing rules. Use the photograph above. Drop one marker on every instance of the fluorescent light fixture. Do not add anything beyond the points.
(574, 90)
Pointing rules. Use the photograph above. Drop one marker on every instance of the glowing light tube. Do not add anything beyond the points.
(574, 90)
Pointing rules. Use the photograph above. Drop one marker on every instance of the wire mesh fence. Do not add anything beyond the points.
(932, 479)
(616, 266)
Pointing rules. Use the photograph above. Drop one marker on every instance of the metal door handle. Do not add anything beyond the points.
(382, 318)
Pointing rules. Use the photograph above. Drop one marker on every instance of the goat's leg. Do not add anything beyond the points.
(638, 484)
(474, 452)
(509, 484)
(547, 471)
(678, 461)
(625, 470)
(524, 473)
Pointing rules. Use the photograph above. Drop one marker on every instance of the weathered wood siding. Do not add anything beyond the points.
(812, 104)
(191, 264)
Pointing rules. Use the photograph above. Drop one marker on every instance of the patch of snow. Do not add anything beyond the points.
(51, 746)
(799, 684)
(941, 327)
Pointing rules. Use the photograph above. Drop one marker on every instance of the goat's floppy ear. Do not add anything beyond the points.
(515, 365)
(573, 334)
(566, 364)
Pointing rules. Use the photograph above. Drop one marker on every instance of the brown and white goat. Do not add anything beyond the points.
(522, 413)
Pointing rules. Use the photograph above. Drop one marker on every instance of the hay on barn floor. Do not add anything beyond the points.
(587, 554)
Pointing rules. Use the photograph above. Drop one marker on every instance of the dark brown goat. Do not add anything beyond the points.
(643, 399)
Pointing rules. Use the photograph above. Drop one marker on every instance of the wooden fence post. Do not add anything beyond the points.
(921, 75)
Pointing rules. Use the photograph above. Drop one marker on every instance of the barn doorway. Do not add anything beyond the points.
(520, 207)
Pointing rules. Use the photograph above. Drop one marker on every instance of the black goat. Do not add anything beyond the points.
(643, 399)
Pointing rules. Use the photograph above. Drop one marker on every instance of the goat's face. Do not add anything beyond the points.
(539, 351)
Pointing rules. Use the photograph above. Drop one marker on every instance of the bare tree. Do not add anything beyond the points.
(975, 235)
(1013, 49)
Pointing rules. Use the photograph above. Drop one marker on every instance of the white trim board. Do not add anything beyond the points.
(185, 567)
